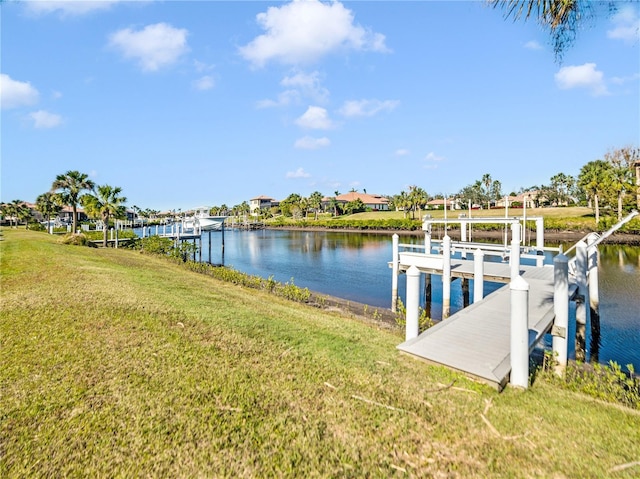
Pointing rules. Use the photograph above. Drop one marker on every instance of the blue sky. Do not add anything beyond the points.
(184, 104)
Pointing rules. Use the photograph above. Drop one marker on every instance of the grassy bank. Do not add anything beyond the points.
(119, 364)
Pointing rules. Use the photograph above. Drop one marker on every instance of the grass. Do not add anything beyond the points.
(569, 212)
(117, 364)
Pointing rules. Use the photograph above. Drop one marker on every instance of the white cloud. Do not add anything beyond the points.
(354, 108)
(315, 118)
(67, 7)
(155, 46)
(533, 45)
(627, 79)
(15, 93)
(44, 119)
(432, 160)
(202, 67)
(299, 173)
(310, 143)
(402, 152)
(303, 31)
(626, 25)
(308, 84)
(204, 83)
(582, 76)
(299, 85)
(431, 156)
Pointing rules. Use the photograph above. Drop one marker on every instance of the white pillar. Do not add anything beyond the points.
(539, 234)
(395, 258)
(519, 333)
(463, 238)
(515, 250)
(592, 262)
(413, 303)
(446, 276)
(116, 244)
(560, 330)
(583, 295)
(478, 275)
(427, 240)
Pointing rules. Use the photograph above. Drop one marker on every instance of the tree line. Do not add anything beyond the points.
(607, 184)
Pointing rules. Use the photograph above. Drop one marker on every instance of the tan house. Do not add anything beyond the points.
(375, 202)
(260, 202)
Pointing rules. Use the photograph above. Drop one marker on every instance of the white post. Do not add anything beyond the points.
(539, 234)
(110, 233)
(427, 240)
(446, 276)
(395, 258)
(116, 244)
(592, 252)
(560, 330)
(515, 250)
(519, 333)
(478, 275)
(581, 306)
(463, 238)
(413, 302)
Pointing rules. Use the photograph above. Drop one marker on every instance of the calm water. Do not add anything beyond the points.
(354, 266)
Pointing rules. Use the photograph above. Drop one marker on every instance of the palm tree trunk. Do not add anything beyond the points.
(595, 197)
(619, 206)
(105, 228)
(75, 219)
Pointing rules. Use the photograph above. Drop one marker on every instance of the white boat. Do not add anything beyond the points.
(203, 221)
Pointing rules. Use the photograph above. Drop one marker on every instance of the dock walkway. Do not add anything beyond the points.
(480, 332)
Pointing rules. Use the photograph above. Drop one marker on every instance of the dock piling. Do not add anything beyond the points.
(446, 276)
(413, 303)
(394, 275)
(594, 297)
(560, 327)
(478, 275)
(519, 338)
(581, 300)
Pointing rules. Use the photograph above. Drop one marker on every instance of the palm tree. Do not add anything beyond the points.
(72, 183)
(622, 174)
(594, 179)
(487, 181)
(104, 204)
(49, 204)
(562, 18)
(315, 202)
(417, 199)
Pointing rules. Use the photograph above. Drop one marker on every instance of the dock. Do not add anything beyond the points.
(475, 340)
(492, 339)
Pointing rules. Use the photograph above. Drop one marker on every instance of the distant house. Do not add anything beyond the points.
(375, 202)
(66, 215)
(260, 202)
(438, 204)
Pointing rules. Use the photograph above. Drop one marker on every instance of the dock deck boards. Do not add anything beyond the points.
(476, 340)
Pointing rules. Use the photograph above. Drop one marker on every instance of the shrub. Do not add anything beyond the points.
(77, 239)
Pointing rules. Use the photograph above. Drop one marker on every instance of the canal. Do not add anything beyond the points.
(354, 266)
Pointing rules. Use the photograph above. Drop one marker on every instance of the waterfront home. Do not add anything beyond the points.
(261, 202)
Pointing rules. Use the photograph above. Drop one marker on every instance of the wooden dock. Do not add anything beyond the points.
(480, 332)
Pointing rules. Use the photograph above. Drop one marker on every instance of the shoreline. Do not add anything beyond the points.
(554, 236)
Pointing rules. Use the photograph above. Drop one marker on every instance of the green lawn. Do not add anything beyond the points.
(118, 364)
